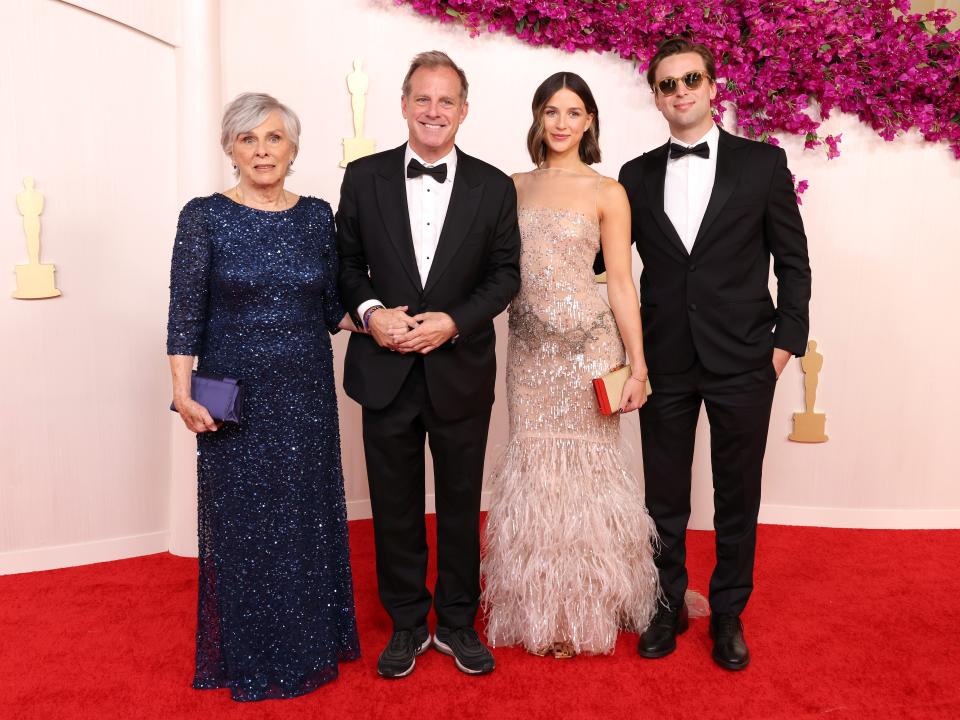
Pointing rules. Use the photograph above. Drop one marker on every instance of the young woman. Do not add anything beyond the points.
(569, 545)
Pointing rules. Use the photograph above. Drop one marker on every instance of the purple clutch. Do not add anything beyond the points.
(221, 396)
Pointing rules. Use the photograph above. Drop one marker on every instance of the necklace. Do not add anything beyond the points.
(281, 203)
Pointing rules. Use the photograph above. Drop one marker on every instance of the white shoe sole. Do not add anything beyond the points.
(447, 650)
(420, 651)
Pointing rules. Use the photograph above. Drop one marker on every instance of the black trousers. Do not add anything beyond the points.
(393, 441)
(738, 408)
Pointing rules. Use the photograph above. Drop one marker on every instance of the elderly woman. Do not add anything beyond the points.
(253, 296)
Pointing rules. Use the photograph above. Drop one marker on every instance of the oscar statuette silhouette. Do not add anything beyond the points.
(35, 280)
(358, 146)
(810, 426)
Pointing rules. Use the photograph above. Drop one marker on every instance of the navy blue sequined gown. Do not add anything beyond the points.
(254, 295)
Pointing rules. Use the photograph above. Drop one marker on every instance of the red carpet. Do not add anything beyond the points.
(843, 624)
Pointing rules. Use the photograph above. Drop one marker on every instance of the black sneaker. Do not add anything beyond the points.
(400, 655)
(470, 655)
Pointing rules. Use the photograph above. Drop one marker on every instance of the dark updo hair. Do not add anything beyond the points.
(590, 143)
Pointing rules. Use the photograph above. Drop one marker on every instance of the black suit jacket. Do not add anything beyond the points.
(713, 303)
(474, 275)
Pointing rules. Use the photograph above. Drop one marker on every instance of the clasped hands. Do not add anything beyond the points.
(393, 329)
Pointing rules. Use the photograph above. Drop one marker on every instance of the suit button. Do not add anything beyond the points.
(693, 306)
(692, 267)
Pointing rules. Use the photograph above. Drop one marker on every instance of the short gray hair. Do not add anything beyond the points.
(248, 110)
(434, 59)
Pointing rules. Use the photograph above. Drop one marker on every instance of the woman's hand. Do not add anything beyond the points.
(195, 416)
(346, 323)
(634, 394)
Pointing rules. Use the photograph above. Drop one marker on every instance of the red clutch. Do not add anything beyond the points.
(609, 389)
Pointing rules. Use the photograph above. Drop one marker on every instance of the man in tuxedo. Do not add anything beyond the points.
(709, 210)
(429, 255)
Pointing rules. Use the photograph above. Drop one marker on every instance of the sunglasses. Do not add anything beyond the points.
(669, 85)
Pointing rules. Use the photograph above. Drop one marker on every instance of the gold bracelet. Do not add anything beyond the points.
(634, 377)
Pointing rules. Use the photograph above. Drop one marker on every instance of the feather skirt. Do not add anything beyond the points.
(568, 550)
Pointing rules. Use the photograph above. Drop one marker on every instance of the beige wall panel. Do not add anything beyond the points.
(85, 441)
(878, 219)
(90, 112)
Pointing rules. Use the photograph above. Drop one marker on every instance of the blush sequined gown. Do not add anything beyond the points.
(568, 551)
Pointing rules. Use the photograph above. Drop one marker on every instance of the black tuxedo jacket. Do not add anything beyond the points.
(713, 303)
(474, 275)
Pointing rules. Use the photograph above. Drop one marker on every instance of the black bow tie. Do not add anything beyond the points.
(437, 172)
(678, 151)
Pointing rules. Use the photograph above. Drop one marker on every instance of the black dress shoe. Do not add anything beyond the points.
(469, 654)
(660, 637)
(729, 649)
(400, 656)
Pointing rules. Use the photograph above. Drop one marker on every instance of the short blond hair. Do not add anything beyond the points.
(434, 59)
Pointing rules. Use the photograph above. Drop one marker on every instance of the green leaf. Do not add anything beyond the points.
(536, 26)
(521, 24)
(956, 119)
(454, 13)
(825, 47)
(622, 6)
(731, 85)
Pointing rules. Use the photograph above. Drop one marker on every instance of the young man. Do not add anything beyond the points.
(709, 211)
(429, 255)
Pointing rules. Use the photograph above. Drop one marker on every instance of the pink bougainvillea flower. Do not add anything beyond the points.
(894, 70)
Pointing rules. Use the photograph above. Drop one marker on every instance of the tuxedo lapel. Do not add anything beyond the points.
(391, 189)
(465, 199)
(655, 178)
(729, 167)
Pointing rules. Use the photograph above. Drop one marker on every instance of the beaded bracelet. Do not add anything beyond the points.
(367, 315)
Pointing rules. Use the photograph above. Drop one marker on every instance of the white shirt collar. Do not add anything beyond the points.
(711, 138)
(450, 159)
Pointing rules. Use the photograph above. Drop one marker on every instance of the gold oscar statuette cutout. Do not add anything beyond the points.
(35, 280)
(810, 426)
(358, 146)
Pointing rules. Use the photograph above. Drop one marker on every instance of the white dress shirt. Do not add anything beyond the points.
(687, 187)
(427, 203)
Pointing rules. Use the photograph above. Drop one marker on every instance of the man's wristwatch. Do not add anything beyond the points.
(367, 315)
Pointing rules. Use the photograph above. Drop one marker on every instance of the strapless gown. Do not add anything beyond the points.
(568, 549)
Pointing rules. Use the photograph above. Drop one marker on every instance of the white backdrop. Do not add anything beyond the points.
(89, 461)
(89, 110)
